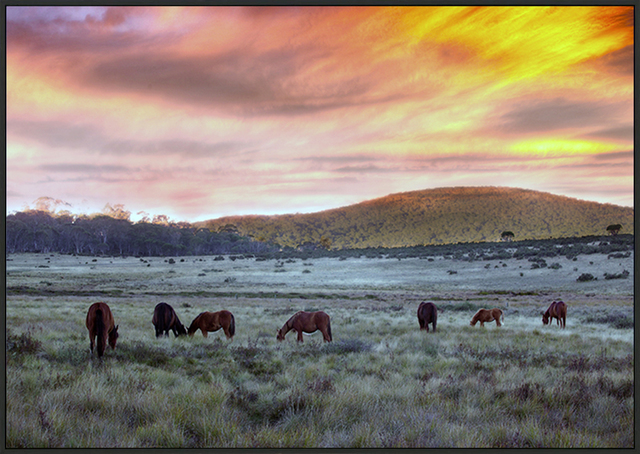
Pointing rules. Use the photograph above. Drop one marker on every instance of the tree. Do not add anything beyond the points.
(614, 229)
(507, 236)
(325, 242)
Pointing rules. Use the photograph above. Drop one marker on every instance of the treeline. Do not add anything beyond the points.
(41, 231)
(437, 217)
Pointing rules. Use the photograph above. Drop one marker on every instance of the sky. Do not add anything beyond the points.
(201, 112)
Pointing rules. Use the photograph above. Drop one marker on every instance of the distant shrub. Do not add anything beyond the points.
(464, 306)
(555, 266)
(617, 320)
(586, 277)
(623, 275)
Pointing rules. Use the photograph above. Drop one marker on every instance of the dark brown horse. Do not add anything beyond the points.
(487, 315)
(213, 321)
(557, 310)
(100, 324)
(307, 322)
(165, 319)
(427, 313)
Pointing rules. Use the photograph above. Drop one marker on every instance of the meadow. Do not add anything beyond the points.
(380, 383)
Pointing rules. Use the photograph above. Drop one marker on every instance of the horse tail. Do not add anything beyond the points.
(100, 331)
(232, 326)
(329, 330)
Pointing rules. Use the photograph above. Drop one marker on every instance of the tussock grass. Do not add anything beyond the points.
(381, 383)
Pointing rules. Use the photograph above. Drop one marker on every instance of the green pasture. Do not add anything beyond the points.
(380, 383)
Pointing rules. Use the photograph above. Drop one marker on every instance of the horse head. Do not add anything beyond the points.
(113, 337)
(280, 336)
(545, 318)
(180, 329)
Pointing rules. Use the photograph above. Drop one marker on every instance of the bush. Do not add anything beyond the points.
(586, 277)
(623, 275)
(22, 344)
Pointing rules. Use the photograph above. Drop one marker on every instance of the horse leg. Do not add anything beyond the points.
(204, 332)
(300, 336)
(91, 342)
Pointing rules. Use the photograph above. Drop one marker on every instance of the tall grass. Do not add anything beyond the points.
(381, 383)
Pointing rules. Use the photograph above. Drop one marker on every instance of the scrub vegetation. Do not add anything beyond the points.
(381, 382)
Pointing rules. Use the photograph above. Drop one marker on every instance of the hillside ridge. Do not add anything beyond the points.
(436, 216)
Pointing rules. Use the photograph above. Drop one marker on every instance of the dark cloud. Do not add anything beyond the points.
(365, 169)
(626, 155)
(68, 32)
(336, 159)
(619, 133)
(54, 133)
(619, 62)
(86, 137)
(557, 114)
(238, 82)
(84, 168)
(186, 148)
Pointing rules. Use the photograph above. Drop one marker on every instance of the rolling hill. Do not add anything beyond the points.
(437, 216)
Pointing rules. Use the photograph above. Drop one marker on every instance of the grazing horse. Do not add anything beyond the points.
(100, 324)
(557, 310)
(165, 319)
(487, 315)
(427, 313)
(307, 322)
(213, 321)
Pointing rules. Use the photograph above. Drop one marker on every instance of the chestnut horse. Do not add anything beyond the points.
(487, 315)
(557, 310)
(427, 313)
(307, 322)
(100, 324)
(213, 321)
(165, 319)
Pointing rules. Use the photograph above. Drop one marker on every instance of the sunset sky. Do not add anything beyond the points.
(198, 113)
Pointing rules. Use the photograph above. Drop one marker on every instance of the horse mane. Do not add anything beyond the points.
(289, 323)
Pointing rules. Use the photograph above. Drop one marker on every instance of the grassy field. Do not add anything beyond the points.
(380, 383)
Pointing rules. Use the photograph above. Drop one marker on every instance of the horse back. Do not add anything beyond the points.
(99, 312)
(427, 311)
(164, 316)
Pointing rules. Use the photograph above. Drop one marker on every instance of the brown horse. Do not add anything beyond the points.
(213, 321)
(427, 313)
(487, 315)
(100, 324)
(165, 319)
(557, 310)
(307, 322)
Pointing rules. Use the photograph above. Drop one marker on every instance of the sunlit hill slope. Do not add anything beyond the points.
(437, 216)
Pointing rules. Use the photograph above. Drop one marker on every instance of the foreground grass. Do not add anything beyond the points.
(381, 383)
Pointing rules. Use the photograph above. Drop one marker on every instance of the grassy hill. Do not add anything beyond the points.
(437, 216)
